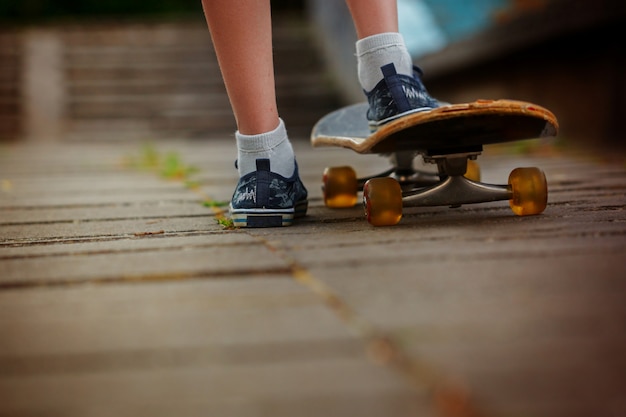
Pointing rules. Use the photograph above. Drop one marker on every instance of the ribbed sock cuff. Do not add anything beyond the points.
(379, 41)
(273, 145)
(262, 142)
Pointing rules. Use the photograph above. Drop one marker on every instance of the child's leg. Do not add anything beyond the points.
(242, 38)
(385, 69)
(372, 17)
(269, 192)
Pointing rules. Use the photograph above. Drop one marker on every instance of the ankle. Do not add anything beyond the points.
(273, 145)
(377, 51)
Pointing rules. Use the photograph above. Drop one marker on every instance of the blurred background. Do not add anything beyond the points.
(84, 70)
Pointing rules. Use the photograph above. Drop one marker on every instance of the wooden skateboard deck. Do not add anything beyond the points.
(445, 129)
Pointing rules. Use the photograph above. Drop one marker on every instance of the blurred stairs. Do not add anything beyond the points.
(10, 68)
(143, 81)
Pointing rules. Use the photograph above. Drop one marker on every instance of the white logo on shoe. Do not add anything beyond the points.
(249, 194)
(411, 92)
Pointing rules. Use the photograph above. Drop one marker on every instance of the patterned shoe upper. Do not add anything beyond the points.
(263, 189)
(396, 95)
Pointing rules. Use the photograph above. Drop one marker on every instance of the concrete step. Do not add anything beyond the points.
(165, 78)
(10, 67)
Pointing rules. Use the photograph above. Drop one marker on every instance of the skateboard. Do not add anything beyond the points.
(451, 137)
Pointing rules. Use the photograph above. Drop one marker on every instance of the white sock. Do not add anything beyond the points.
(376, 51)
(273, 145)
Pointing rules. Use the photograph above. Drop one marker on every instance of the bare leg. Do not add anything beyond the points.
(269, 192)
(372, 17)
(242, 36)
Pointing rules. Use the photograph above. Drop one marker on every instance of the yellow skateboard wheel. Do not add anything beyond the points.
(382, 198)
(473, 171)
(530, 191)
(340, 187)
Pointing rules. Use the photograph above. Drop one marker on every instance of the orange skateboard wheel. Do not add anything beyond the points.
(473, 171)
(530, 191)
(382, 198)
(340, 187)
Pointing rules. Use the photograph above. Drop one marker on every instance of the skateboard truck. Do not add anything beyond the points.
(455, 189)
(383, 198)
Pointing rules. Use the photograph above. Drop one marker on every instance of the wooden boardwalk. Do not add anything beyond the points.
(120, 294)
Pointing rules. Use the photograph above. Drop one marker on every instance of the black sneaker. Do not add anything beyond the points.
(266, 199)
(397, 95)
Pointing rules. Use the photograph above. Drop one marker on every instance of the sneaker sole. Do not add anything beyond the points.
(375, 125)
(268, 217)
